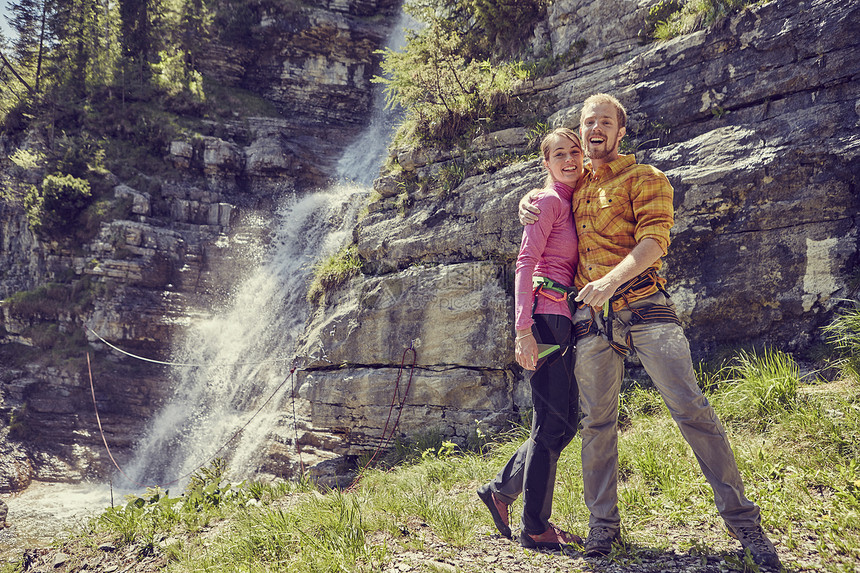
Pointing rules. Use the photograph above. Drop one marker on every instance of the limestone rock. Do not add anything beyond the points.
(477, 221)
(141, 202)
(181, 153)
(606, 27)
(512, 138)
(458, 314)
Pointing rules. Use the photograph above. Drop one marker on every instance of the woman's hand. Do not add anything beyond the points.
(525, 349)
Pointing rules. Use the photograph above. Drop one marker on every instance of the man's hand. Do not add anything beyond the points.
(597, 292)
(643, 255)
(527, 212)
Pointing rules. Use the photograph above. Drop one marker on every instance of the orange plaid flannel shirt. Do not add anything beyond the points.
(622, 203)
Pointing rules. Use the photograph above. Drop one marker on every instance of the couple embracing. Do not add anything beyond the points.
(587, 283)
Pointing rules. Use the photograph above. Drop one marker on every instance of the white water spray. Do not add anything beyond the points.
(244, 353)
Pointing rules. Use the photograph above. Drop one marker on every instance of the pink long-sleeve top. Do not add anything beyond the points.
(548, 249)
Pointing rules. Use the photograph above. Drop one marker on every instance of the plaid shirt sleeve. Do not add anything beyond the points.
(651, 196)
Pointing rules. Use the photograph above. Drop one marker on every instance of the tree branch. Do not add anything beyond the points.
(17, 75)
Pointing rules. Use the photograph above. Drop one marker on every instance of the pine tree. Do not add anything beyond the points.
(138, 48)
(194, 30)
(29, 20)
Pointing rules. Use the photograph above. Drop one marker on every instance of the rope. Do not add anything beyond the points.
(383, 441)
(295, 423)
(204, 464)
(186, 364)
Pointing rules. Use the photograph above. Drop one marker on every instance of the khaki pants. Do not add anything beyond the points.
(665, 353)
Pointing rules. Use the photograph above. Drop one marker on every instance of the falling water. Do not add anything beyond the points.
(231, 384)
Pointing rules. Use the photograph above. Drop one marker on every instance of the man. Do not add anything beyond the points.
(623, 215)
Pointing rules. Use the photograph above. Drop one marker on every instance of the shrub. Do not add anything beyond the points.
(447, 78)
(54, 208)
(671, 18)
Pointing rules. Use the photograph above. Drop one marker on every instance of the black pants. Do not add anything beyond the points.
(531, 470)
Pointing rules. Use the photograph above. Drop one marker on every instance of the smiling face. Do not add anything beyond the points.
(563, 159)
(601, 132)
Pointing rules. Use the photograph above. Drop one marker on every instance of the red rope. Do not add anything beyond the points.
(207, 462)
(383, 441)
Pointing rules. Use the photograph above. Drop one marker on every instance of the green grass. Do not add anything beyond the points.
(796, 441)
(670, 18)
(329, 274)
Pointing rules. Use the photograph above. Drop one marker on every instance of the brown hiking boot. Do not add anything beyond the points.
(553, 538)
(760, 547)
(498, 509)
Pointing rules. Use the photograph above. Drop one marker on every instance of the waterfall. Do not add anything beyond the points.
(231, 362)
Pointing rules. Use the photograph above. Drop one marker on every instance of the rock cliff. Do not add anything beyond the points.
(190, 230)
(754, 121)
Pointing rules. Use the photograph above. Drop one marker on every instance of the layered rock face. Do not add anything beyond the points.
(186, 239)
(754, 121)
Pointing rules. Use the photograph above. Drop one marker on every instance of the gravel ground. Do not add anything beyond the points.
(418, 549)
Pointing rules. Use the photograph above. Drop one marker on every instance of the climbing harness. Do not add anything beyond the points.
(602, 323)
(556, 292)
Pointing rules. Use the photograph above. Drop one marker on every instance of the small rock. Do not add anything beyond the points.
(60, 559)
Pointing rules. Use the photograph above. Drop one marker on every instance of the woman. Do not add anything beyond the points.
(548, 251)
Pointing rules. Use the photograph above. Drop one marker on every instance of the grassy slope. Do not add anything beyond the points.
(799, 462)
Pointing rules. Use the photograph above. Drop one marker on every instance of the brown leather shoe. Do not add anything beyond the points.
(498, 509)
(553, 538)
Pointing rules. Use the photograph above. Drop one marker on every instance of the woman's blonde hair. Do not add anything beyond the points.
(547, 141)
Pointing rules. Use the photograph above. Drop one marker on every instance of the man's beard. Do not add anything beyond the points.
(604, 151)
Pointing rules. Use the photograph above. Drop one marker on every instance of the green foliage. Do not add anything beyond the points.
(802, 471)
(26, 159)
(447, 78)
(79, 154)
(443, 94)
(658, 14)
(485, 28)
(671, 18)
(50, 300)
(173, 76)
(53, 208)
(843, 334)
(71, 53)
(451, 175)
(332, 272)
(758, 388)
(638, 401)
(205, 488)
